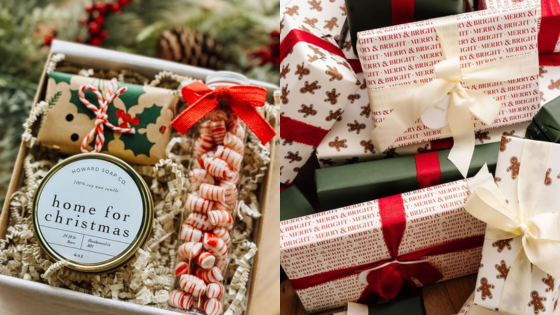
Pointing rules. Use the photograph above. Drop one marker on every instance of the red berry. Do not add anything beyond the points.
(47, 40)
(124, 2)
(99, 19)
(123, 125)
(83, 21)
(89, 8)
(103, 34)
(120, 113)
(115, 7)
(101, 7)
(93, 27)
(96, 41)
(79, 39)
(135, 121)
(126, 117)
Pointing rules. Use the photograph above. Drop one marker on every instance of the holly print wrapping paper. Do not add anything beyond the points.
(68, 121)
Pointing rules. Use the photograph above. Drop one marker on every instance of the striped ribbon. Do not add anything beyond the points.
(101, 118)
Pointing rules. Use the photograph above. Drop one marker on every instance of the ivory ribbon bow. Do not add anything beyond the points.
(411, 101)
(539, 229)
(101, 118)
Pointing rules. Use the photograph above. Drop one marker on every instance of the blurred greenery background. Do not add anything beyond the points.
(237, 35)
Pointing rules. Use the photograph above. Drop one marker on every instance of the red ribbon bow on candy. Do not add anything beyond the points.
(390, 277)
(242, 99)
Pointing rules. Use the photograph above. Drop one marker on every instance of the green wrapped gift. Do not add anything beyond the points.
(351, 184)
(366, 15)
(546, 123)
(410, 306)
(294, 204)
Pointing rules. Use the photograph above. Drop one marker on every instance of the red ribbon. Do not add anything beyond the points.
(296, 36)
(301, 132)
(428, 172)
(242, 99)
(389, 280)
(402, 11)
(550, 26)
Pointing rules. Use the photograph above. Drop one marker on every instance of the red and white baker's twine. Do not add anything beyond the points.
(206, 231)
(101, 118)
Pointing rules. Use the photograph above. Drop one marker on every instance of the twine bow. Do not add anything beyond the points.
(101, 118)
(409, 102)
(537, 226)
(242, 99)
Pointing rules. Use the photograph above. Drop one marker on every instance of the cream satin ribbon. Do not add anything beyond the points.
(539, 229)
(411, 101)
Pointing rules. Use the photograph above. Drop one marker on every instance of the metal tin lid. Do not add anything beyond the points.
(92, 210)
(225, 78)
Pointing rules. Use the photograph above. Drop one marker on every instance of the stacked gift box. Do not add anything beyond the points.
(440, 105)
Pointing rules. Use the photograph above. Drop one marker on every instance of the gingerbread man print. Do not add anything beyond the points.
(327, 161)
(352, 160)
(547, 179)
(331, 24)
(514, 167)
(366, 111)
(334, 115)
(353, 97)
(549, 281)
(310, 88)
(293, 157)
(368, 146)
(285, 93)
(285, 70)
(554, 84)
(482, 135)
(537, 303)
(356, 126)
(503, 270)
(307, 110)
(542, 71)
(484, 289)
(332, 97)
(504, 141)
(338, 144)
(291, 11)
(311, 22)
(390, 153)
(301, 70)
(503, 244)
(333, 73)
(315, 5)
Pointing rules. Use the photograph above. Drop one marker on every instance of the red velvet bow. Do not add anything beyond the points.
(242, 99)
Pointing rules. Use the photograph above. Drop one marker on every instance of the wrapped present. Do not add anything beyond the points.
(409, 306)
(317, 82)
(546, 123)
(294, 204)
(358, 147)
(366, 15)
(549, 30)
(327, 16)
(350, 184)
(425, 79)
(519, 269)
(137, 120)
(379, 248)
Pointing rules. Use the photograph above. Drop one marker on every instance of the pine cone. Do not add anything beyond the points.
(190, 47)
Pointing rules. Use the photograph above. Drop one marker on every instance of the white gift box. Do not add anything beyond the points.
(18, 296)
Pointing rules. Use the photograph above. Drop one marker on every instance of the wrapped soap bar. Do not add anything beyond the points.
(350, 184)
(358, 252)
(140, 115)
(519, 269)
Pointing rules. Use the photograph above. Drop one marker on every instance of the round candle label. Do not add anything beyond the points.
(93, 211)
